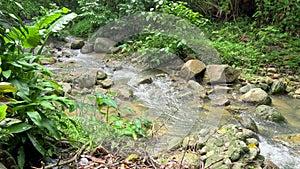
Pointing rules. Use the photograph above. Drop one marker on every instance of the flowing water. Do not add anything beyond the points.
(178, 111)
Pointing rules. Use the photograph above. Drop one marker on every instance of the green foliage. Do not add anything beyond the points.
(133, 128)
(282, 13)
(34, 105)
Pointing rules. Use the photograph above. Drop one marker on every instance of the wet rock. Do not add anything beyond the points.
(147, 79)
(104, 45)
(87, 48)
(220, 74)
(87, 79)
(277, 87)
(66, 53)
(196, 86)
(276, 76)
(269, 113)
(191, 68)
(230, 146)
(290, 88)
(247, 122)
(290, 140)
(107, 83)
(124, 93)
(101, 75)
(77, 44)
(235, 109)
(221, 102)
(246, 88)
(270, 165)
(256, 96)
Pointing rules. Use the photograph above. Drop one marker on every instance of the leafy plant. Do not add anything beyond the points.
(32, 118)
(133, 128)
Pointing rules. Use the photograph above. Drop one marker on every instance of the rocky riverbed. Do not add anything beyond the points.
(211, 120)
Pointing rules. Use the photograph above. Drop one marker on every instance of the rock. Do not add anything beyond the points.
(83, 162)
(191, 68)
(66, 53)
(272, 70)
(66, 87)
(270, 165)
(220, 74)
(191, 158)
(101, 75)
(107, 83)
(221, 102)
(99, 89)
(256, 96)
(235, 109)
(297, 91)
(276, 76)
(124, 93)
(87, 48)
(231, 145)
(277, 87)
(147, 79)
(247, 122)
(2, 166)
(269, 113)
(263, 86)
(246, 88)
(290, 140)
(104, 45)
(87, 79)
(290, 88)
(196, 86)
(48, 61)
(77, 44)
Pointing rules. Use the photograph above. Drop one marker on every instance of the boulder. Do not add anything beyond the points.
(77, 44)
(87, 79)
(256, 96)
(66, 87)
(277, 87)
(220, 74)
(269, 113)
(104, 45)
(246, 88)
(191, 68)
(87, 48)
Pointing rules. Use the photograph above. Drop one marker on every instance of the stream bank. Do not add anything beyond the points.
(167, 99)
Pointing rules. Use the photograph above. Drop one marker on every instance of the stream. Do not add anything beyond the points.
(178, 112)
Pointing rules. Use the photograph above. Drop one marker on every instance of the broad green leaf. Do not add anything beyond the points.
(2, 111)
(6, 87)
(36, 144)
(110, 102)
(22, 86)
(35, 117)
(18, 128)
(6, 73)
(21, 157)
(48, 124)
(48, 19)
(47, 105)
(61, 22)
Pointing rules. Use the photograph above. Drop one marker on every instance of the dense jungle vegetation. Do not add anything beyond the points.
(248, 34)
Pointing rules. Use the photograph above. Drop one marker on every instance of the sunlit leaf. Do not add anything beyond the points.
(6, 73)
(2, 111)
(131, 157)
(6, 87)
